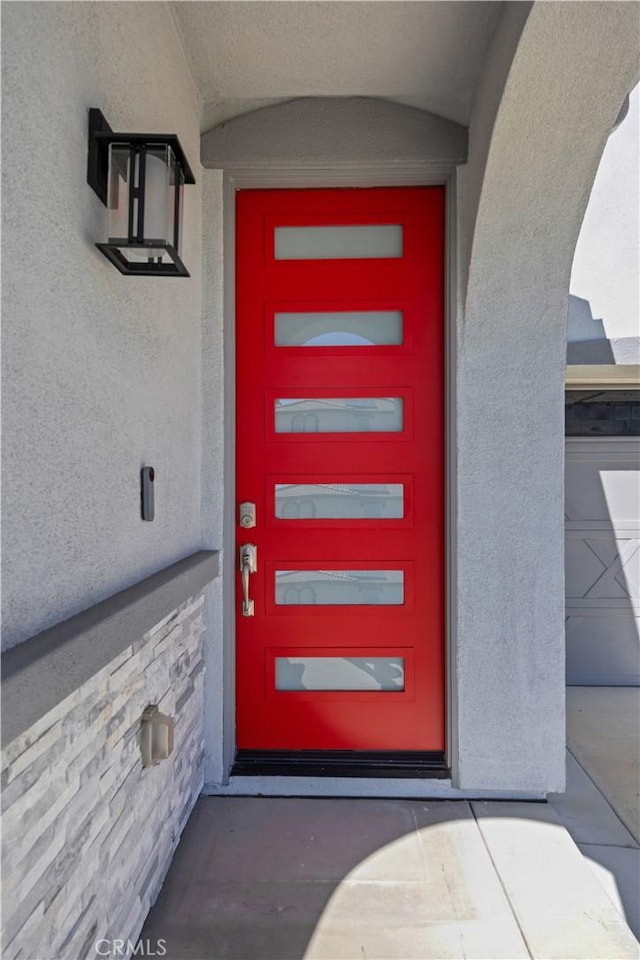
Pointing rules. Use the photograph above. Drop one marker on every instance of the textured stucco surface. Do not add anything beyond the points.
(486, 103)
(620, 350)
(581, 324)
(41, 672)
(572, 67)
(101, 372)
(249, 55)
(335, 130)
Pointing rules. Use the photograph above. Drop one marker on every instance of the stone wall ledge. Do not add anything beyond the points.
(41, 672)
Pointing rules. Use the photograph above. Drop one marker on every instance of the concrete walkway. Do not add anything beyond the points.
(286, 879)
(601, 806)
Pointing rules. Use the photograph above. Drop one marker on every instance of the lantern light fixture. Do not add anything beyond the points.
(139, 177)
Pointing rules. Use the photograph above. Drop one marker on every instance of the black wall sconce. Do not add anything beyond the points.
(139, 177)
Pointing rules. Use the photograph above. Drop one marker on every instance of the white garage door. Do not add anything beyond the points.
(602, 511)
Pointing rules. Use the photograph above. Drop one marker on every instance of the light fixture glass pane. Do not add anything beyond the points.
(159, 201)
(121, 178)
(338, 243)
(145, 255)
(342, 587)
(158, 196)
(340, 673)
(339, 415)
(326, 501)
(341, 328)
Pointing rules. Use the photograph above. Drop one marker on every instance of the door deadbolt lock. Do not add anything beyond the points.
(248, 565)
(247, 514)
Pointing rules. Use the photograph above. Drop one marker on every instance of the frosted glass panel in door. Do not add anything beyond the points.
(338, 243)
(341, 328)
(340, 673)
(334, 501)
(339, 415)
(343, 587)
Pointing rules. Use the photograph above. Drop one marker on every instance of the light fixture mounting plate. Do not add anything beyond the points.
(98, 159)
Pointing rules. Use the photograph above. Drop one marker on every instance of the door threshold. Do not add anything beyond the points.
(340, 763)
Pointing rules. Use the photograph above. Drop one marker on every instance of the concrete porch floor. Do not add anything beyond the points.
(601, 807)
(274, 879)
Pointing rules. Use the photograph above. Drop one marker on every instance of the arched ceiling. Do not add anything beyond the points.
(245, 55)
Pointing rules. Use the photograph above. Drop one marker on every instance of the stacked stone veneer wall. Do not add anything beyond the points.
(88, 833)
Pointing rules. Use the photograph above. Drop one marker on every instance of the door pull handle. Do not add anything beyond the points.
(248, 565)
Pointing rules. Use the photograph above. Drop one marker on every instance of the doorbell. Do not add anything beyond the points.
(148, 507)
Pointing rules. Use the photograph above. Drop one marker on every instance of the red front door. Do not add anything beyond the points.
(339, 436)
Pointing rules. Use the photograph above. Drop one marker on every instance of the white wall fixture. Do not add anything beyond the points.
(156, 737)
(139, 176)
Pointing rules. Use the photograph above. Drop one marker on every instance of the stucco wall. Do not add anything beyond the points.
(526, 187)
(325, 130)
(101, 372)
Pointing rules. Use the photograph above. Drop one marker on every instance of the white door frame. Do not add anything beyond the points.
(300, 178)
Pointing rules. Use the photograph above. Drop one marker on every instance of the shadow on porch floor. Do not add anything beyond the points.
(601, 807)
(282, 879)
